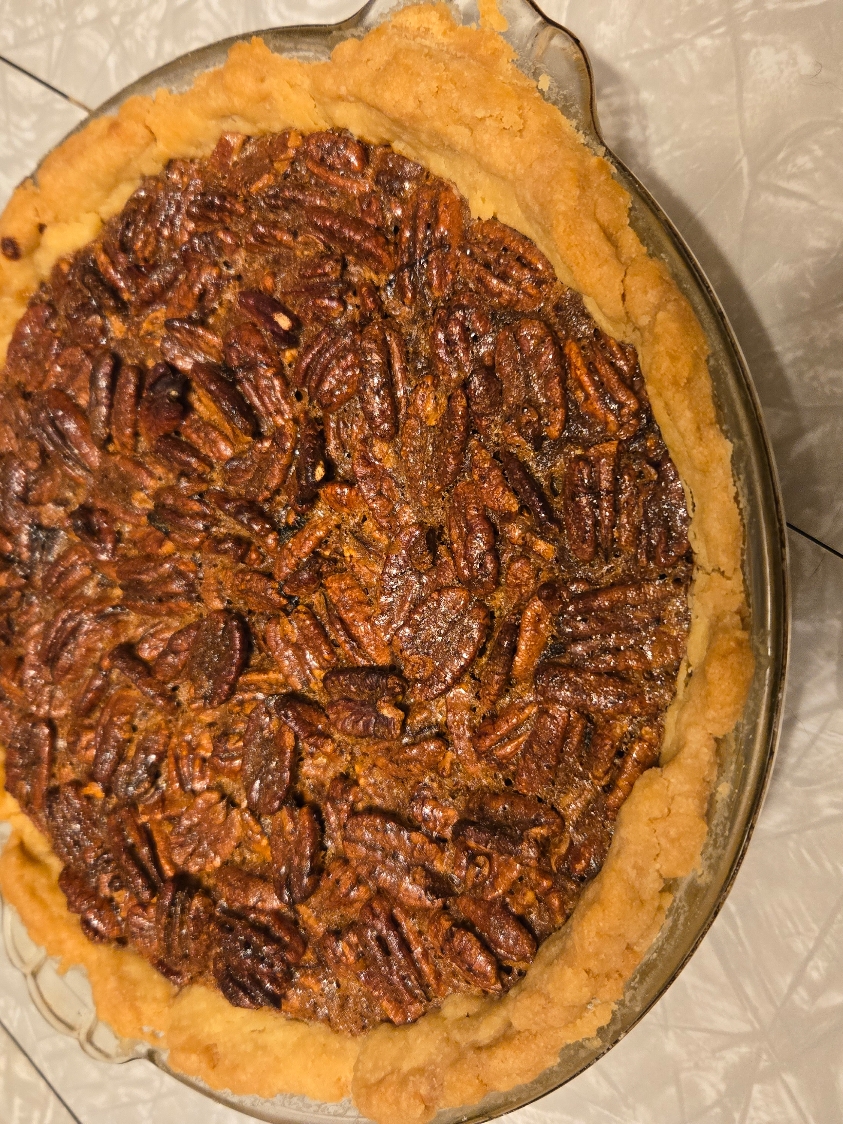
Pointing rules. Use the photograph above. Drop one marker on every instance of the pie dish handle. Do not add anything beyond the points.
(62, 1000)
(546, 51)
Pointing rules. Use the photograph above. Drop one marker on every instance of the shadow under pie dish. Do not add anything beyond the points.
(349, 574)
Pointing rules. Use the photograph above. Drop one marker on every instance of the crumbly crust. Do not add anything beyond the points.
(452, 98)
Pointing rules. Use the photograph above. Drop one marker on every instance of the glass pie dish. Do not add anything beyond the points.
(551, 55)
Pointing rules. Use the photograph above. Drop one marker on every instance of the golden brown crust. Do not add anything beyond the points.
(452, 98)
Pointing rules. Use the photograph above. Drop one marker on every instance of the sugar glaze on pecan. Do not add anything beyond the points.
(344, 582)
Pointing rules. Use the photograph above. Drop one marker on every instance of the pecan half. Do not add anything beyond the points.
(183, 920)
(29, 762)
(528, 362)
(472, 536)
(507, 268)
(441, 639)
(218, 653)
(296, 842)
(385, 378)
(205, 834)
(269, 746)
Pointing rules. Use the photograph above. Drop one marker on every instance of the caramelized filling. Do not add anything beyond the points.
(344, 582)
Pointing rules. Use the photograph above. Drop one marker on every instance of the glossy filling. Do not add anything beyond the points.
(344, 582)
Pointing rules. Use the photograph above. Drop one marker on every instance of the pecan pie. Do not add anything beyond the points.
(346, 582)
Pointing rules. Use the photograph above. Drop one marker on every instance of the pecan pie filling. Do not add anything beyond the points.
(344, 582)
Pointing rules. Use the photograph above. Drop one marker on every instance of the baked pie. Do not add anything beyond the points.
(349, 580)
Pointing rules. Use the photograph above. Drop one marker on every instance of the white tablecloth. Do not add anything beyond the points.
(731, 112)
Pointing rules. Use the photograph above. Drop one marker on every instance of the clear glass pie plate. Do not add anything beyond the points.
(746, 756)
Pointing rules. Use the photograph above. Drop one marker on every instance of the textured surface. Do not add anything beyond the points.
(32, 120)
(24, 1095)
(742, 154)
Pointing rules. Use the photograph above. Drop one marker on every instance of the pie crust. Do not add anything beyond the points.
(451, 98)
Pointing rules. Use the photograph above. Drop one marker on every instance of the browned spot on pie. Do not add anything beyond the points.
(344, 582)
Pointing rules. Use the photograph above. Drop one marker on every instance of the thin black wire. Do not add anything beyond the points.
(43, 1076)
(45, 84)
(817, 542)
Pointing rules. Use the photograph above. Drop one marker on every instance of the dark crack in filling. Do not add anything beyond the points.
(344, 582)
